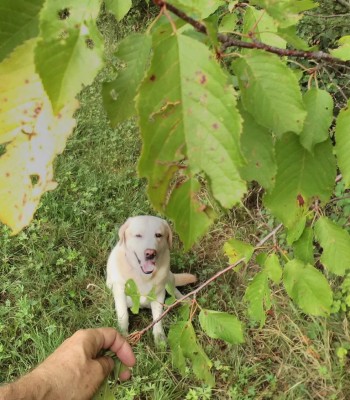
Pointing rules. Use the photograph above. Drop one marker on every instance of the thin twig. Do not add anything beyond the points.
(135, 336)
(228, 41)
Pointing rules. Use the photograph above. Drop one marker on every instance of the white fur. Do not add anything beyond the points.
(128, 260)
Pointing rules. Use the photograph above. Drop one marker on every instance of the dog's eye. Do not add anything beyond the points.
(138, 235)
(158, 235)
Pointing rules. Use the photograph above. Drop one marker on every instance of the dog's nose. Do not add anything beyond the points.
(150, 254)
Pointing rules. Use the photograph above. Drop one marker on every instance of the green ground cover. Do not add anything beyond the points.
(53, 280)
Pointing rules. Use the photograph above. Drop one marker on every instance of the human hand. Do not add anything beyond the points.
(75, 370)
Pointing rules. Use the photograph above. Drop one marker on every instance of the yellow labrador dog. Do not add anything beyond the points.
(143, 254)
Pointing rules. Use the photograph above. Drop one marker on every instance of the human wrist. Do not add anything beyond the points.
(32, 386)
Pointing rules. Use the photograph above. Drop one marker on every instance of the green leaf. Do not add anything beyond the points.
(118, 95)
(228, 23)
(273, 268)
(191, 219)
(290, 35)
(198, 9)
(343, 51)
(32, 134)
(119, 8)
(308, 287)
(258, 150)
(335, 242)
(152, 296)
(319, 107)
(295, 231)
(132, 291)
(270, 92)
(184, 312)
(342, 146)
(303, 247)
(221, 325)
(170, 289)
(69, 53)
(184, 345)
(258, 296)
(261, 259)
(188, 121)
(301, 177)
(236, 249)
(286, 12)
(104, 392)
(262, 26)
(19, 21)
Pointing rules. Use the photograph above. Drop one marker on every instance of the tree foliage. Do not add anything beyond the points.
(218, 88)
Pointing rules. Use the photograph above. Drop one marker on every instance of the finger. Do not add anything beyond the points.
(117, 343)
(107, 365)
(108, 338)
(124, 373)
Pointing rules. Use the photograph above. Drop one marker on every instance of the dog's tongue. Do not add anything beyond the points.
(148, 266)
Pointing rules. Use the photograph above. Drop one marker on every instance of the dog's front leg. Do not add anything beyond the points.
(157, 309)
(121, 308)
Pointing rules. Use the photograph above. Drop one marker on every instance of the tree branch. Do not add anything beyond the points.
(228, 41)
(135, 336)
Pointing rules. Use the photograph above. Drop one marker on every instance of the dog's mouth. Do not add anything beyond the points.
(147, 266)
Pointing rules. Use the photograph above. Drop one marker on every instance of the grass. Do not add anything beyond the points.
(53, 283)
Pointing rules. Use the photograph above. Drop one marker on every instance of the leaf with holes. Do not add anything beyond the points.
(189, 122)
(33, 137)
(118, 95)
(335, 242)
(184, 345)
(319, 107)
(258, 297)
(69, 53)
(308, 287)
(221, 325)
(132, 291)
(19, 21)
(342, 146)
(301, 178)
(119, 8)
(270, 92)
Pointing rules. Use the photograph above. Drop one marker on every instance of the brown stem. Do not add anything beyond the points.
(137, 335)
(228, 41)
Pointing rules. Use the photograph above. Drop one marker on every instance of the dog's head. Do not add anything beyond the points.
(146, 241)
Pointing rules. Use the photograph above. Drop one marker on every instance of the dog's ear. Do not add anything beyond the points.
(169, 234)
(122, 230)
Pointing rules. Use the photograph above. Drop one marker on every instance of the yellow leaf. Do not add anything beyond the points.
(32, 136)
